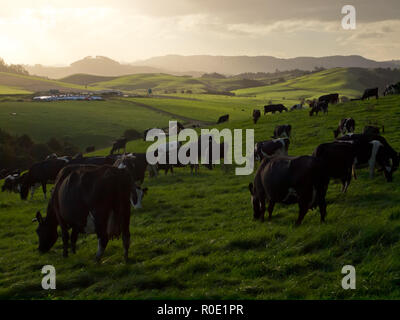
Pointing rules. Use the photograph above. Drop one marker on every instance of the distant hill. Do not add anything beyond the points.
(242, 64)
(99, 66)
(85, 79)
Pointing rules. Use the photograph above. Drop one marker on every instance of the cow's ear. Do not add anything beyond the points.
(251, 188)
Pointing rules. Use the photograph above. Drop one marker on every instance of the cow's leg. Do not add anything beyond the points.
(65, 239)
(33, 189)
(74, 238)
(44, 189)
(303, 208)
(322, 209)
(270, 209)
(101, 246)
(262, 209)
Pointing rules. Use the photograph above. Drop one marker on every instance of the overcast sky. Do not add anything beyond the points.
(60, 32)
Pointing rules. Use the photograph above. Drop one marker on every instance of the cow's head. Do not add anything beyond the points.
(46, 232)
(137, 195)
(255, 202)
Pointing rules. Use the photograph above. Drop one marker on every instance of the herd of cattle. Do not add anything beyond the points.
(95, 194)
(304, 180)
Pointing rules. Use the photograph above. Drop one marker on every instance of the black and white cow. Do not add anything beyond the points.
(282, 131)
(371, 151)
(13, 182)
(346, 125)
(271, 148)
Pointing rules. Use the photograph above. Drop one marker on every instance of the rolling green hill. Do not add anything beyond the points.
(350, 82)
(15, 83)
(85, 79)
(195, 236)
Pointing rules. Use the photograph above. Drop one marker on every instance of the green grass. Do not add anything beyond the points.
(195, 237)
(83, 123)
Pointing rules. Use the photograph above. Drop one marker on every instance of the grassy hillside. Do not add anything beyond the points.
(350, 82)
(83, 123)
(29, 84)
(195, 237)
(85, 79)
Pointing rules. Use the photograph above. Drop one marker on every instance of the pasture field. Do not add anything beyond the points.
(83, 123)
(195, 237)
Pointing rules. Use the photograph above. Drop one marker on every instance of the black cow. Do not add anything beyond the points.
(97, 160)
(88, 200)
(41, 173)
(332, 98)
(256, 115)
(346, 125)
(223, 119)
(321, 106)
(90, 149)
(274, 108)
(370, 93)
(337, 159)
(282, 131)
(118, 145)
(289, 180)
(271, 148)
(372, 150)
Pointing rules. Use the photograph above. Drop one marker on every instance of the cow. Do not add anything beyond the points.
(370, 93)
(88, 200)
(256, 115)
(372, 150)
(289, 180)
(346, 125)
(90, 149)
(319, 107)
(271, 148)
(118, 145)
(223, 119)
(392, 89)
(274, 108)
(332, 98)
(137, 165)
(41, 173)
(282, 131)
(13, 182)
(337, 160)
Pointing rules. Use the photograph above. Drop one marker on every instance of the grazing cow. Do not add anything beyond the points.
(370, 93)
(41, 173)
(372, 150)
(289, 180)
(282, 131)
(223, 118)
(392, 89)
(271, 148)
(346, 125)
(256, 115)
(321, 106)
(332, 98)
(337, 160)
(13, 182)
(90, 149)
(274, 108)
(88, 200)
(221, 150)
(118, 145)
